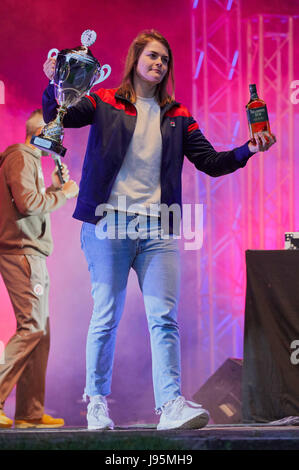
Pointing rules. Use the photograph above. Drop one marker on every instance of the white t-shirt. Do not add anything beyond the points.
(139, 177)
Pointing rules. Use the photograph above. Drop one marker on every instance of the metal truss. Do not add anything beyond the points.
(252, 208)
(270, 61)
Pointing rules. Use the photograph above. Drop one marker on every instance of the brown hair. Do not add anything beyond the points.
(126, 88)
(34, 122)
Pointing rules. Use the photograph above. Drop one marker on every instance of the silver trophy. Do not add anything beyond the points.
(76, 72)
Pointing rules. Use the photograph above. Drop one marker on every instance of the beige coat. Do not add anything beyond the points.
(25, 203)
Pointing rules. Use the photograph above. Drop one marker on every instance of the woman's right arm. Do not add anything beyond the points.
(80, 115)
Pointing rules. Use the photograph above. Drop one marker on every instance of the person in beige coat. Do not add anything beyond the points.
(25, 242)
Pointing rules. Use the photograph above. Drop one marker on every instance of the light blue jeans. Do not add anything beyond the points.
(157, 264)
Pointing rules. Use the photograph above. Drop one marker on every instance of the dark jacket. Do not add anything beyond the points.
(112, 119)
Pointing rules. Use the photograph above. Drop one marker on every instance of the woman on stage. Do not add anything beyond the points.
(138, 138)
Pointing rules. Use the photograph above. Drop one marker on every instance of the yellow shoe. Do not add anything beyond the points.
(46, 421)
(5, 422)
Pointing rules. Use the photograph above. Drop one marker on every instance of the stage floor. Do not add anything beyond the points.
(145, 437)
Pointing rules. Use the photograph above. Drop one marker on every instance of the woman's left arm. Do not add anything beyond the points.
(205, 158)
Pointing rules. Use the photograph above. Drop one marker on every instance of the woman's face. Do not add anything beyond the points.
(152, 65)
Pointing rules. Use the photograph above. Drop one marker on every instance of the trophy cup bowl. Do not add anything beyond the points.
(76, 72)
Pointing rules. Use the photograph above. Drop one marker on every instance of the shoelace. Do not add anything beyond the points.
(178, 403)
(99, 408)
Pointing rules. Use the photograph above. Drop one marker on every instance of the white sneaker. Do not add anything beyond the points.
(183, 414)
(97, 413)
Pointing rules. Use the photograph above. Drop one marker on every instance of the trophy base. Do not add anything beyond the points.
(48, 145)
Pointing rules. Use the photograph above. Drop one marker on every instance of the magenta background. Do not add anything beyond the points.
(28, 30)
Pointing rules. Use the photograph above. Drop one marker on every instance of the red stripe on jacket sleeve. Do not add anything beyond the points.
(92, 100)
(178, 111)
(192, 127)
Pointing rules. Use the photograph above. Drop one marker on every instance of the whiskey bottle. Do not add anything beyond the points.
(257, 114)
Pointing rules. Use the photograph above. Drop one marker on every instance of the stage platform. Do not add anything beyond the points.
(145, 437)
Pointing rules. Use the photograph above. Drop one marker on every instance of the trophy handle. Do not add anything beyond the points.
(53, 51)
(103, 75)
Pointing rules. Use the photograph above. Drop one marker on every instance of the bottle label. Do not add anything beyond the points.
(257, 115)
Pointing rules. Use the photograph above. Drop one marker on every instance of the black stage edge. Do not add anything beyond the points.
(145, 437)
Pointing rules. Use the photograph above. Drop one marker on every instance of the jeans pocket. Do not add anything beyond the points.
(86, 238)
(87, 230)
(81, 236)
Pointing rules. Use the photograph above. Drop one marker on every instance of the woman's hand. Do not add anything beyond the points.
(262, 141)
(49, 67)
